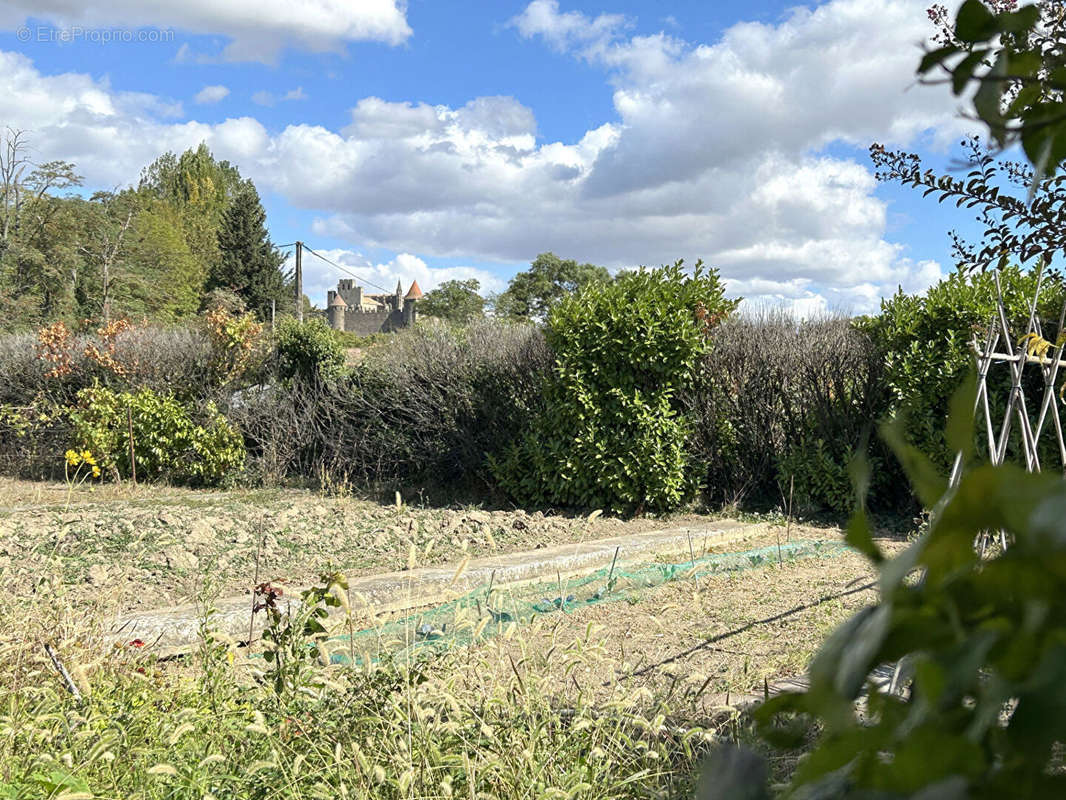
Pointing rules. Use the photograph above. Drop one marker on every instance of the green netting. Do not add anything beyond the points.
(488, 611)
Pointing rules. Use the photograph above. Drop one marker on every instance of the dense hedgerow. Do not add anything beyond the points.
(646, 402)
(782, 405)
(56, 385)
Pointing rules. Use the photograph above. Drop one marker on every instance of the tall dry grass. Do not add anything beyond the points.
(212, 725)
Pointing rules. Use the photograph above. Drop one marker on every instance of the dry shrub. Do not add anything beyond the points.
(41, 375)
(782, 399)
(423, 407)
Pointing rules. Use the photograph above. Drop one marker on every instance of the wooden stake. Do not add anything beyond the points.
(613, 560)
(788, 519)
(71, 686)
(133, 458)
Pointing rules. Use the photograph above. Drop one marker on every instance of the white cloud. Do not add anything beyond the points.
(211, 94)
(257, 29)
(571, 29)
(265, 98)
(319, 277)
(718, 151)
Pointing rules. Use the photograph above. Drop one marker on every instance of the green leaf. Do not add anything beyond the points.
(959, 433)
(1023, 19)
(974, 22)
(988, 100)
(935, 57)
(962, 74)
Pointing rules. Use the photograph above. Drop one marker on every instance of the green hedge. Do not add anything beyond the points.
(613, 433)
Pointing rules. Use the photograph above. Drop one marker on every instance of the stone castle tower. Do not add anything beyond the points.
(349, 308)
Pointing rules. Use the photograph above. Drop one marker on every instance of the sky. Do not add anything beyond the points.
(434, 140)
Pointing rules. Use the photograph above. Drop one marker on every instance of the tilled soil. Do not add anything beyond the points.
(152, 547)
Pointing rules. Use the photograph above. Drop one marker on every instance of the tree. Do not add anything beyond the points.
(162, 274)
(1024, 216)
(249, 264)
(200, 189)
(1016, 59)
(531, 294)
(456, 301)
(39, 262)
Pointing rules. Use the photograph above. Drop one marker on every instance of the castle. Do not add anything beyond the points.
(349, 308)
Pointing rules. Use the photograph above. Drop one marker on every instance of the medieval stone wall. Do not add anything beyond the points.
(364, 323)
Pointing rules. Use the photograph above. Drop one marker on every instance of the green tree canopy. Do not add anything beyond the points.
(531, 294)
(249, 264)
(200, 189)
(456, 301)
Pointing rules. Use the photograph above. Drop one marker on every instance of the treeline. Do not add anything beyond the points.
(190, 234)
(641, 393)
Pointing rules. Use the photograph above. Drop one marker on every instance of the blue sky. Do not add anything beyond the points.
(436, 140)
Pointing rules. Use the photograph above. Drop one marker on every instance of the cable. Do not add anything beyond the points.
(345, 269)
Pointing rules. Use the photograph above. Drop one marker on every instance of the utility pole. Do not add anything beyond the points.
(299, 281)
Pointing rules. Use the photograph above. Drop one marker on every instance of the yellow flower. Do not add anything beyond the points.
(72, 458)
(87, 456)
(96, 471)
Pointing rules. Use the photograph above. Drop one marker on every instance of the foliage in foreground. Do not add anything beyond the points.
(980, 648)
(222, 727)
(612, 433)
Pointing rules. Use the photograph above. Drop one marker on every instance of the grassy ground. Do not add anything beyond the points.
(642, 680)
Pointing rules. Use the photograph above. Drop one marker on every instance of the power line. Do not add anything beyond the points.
(345, 269)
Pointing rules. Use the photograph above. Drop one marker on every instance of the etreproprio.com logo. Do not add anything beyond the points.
(77, 33)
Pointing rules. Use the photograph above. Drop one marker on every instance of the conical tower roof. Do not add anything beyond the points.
(414, 292)
(399, 287)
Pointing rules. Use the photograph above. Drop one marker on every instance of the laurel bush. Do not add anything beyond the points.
(612, 433)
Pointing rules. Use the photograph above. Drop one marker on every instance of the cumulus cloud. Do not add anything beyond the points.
(319, 277)
(211, 94)
(718, 150)
(257, 29)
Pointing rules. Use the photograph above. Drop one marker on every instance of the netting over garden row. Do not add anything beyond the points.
(491, 611)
